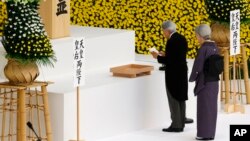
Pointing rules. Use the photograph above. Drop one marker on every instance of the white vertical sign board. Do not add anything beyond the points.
(79, 61)
(235, 32)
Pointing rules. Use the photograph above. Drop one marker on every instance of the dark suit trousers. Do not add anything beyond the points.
(177, 111)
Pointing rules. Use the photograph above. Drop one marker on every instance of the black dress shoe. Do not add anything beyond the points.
(170, 129)
(201, 138)
(188, 120)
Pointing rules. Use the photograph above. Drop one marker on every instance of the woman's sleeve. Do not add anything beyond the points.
(198, 65)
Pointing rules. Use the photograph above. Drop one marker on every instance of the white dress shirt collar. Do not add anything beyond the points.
(171, 34)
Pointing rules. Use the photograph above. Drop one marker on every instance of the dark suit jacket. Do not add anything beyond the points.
(176, 66)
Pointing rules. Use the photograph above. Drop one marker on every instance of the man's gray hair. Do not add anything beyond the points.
(171, 26)
(204, 31)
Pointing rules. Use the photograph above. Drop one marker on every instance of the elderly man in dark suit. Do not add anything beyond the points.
(175, 75)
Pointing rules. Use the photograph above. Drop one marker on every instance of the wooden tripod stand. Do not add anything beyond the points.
(226, 92)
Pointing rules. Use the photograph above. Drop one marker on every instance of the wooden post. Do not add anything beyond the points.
(21, 122)
(3, 118)
(78, 65)
(245, 70)
(231, 107)
(234, 81)
(11, 117)
(21, 90)
(77, 114)
(56, 17)
(235, 107)
(222, 94)
(46, 113)
(226, 75)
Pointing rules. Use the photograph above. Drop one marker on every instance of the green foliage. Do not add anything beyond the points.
(219, 10)
(22, 1)
(24, 37)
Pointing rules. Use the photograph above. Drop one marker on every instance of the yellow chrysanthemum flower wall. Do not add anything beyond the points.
(3, 16)
(145, 17)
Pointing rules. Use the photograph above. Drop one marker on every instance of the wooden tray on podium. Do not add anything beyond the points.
(131, 70)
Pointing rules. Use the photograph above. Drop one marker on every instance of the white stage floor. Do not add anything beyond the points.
(155, 134)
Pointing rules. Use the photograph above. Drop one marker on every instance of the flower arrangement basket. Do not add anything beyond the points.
(17, 72)
(25, 41)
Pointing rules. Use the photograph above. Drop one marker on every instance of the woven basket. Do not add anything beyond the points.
(220, 34)
(18, 73)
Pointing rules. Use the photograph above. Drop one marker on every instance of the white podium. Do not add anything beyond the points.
(110, 106)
